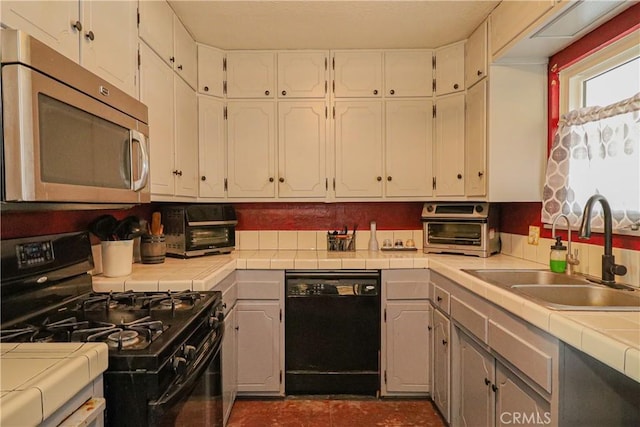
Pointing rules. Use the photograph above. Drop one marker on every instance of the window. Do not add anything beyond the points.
(596, 148)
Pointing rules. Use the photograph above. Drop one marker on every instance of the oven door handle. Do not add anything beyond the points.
(182, 390)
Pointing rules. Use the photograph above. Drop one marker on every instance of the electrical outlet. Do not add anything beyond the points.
(534, 235)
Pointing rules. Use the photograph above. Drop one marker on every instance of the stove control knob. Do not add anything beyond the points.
(179, 365)
(189, 352)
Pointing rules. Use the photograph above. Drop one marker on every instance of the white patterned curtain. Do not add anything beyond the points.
(596, 150)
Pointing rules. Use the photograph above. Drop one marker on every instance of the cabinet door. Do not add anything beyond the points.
(156, 28)
(211, 147)
(408, 73)
(475, 59)
(48, 21)
(358, 139)
(441, 363)
(302, 149)
(185, 53)
(302, 74)
(407, 349)
(450, 69)
(251, 148)
(476, 373)
(229, 362)
(449, 146)
(357, 74)
(259, 346)
(156, 91)
(515, 399)
(476, 140)
(109, 42)
(408, 150)
(250, 74)
(186, 139)
(210, 71)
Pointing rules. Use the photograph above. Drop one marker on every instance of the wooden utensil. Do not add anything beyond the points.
(156, 224)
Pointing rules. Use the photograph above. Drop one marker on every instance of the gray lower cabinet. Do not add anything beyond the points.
(441, 344)
(517, 403)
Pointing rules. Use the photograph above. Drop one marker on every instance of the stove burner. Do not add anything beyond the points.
(171, 303)
(123, 339)
(60, 330)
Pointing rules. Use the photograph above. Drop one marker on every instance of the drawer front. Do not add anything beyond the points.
(441, 298)
(530, 360)
(229, 297)
(474, 321)
(407, 290)
(259, 290)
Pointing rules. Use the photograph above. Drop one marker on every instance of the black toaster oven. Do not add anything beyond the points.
(199, 229)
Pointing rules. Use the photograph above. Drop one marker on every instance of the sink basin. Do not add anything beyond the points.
(561, 292)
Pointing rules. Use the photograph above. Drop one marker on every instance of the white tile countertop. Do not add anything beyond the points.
(611, 337)
(36, 379)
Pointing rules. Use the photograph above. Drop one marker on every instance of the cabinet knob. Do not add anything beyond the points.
(172, 59)
(177, 172)
(266, 92)
(444, 342)
(439, 299)
(179, 67)
(392, 92)
(456, 86)
(379, 178)
(479, 72)
(90, 35)
(77, 25)
(203, 178)
(271, 179)
(375, 91)
(459, 176)
(480, 173)
(284, 93)
(429, 328)
(281, 179)
(494, 388)
(389, 178)
(486, 381)
(206, 88)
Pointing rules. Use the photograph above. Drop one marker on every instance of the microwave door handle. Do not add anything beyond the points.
(138, 137)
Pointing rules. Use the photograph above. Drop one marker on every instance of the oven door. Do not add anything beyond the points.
(61, 145)
(195, 398)
(204, 237)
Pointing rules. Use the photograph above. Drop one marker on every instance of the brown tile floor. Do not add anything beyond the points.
(322, 412)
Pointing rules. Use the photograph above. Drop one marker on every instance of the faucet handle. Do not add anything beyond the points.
(618, 269)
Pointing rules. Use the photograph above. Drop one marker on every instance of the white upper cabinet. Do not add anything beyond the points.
(156, 28)
(210, 71)
(186, 139)
(251, 74)
(408, 73)
(358, 143)
(302, 129)
(476, 140)
(185, 53)
(450, 69)
(408, 149)
(357, 73)
(302, 74)
(100, 36)
(475, 59)
(449, 145)
(251, 148)
(211, 152)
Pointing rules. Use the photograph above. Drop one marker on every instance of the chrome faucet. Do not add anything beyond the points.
(572, 258)
(609, 267)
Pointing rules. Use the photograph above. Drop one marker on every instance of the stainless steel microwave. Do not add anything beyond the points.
(68, 135)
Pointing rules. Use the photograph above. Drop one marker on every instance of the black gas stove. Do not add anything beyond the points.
(162, 345)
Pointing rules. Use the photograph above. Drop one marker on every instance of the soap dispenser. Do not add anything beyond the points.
(558, 257)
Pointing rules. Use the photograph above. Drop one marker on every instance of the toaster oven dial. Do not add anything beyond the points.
(479, 208)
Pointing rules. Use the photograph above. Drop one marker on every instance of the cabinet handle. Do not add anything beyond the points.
(379, 178)
(389, 178)
(281, 179)
(494, 388)
(455, 86)
(172, 59)
(479, 72)
(90, 35)
(459, 176)
(392, 92)
(77, 25)
(444, 342)
(237, 328)
(375, 91)
(429, 328)
(180, 67)
(284, 93)
(271, 179)
(266, 92)
(179, 173)
(206, 88)
(486, 381)
(203, 178)
(439, 299)
(480, 173)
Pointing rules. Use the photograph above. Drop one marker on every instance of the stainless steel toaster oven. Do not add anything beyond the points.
(467, 228)
(199, 229)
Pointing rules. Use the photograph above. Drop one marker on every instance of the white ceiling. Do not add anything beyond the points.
(336, 24)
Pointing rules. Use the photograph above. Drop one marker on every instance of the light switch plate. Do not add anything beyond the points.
(534, 235)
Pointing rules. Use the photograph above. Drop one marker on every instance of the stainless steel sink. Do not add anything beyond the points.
(561, 292)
